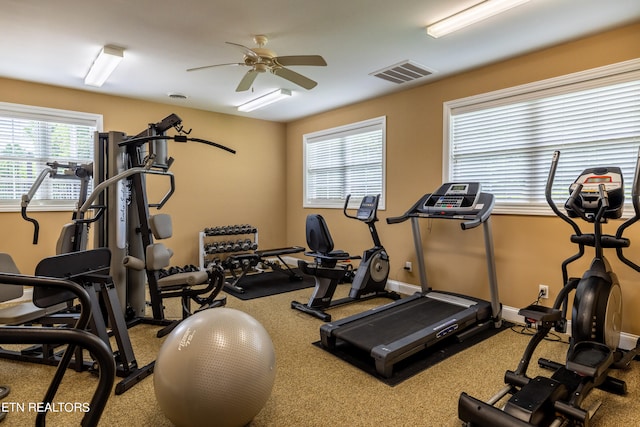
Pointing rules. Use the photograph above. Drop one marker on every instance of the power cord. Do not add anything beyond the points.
(529, 331)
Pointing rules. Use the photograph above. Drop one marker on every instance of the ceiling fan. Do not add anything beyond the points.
(262, 60)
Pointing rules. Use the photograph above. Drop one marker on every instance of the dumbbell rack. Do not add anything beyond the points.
(223, 241)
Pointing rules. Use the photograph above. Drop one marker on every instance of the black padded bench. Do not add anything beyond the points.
(245, 262)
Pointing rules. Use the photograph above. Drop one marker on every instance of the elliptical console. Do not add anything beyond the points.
(587, 189)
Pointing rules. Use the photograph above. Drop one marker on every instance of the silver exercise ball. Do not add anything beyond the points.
(217, 367)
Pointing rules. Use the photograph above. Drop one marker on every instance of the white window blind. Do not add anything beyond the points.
(505, 140)
(30, 137)
(345, 160)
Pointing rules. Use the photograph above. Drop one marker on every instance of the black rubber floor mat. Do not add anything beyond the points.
(269, 283)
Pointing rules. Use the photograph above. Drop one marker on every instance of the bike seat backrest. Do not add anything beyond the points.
(318, 237)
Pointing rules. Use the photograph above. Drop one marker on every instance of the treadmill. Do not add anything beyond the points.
(395, 331)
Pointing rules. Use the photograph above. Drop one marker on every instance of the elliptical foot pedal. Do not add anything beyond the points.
(540, 313)
(590, 358)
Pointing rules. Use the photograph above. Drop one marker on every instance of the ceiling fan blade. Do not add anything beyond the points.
(316, 60)
(294, 77)
(246, 51)
(216, 65)
(247, 81)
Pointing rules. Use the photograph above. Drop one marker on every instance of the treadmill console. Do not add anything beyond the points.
(453, 197)
(453, 200)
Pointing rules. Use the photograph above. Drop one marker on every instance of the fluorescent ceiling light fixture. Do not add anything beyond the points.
(470, 16)
(103, 66)
(264, 100)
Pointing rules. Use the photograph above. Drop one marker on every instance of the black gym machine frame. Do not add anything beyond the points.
(596, 196)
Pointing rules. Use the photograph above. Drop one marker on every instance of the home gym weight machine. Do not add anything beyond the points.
(122, 164)
(123, 220)
(371, 275)
(89, 269)
(395, 331)
(596, 196)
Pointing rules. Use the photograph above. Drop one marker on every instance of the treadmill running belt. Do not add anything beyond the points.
(392, 325)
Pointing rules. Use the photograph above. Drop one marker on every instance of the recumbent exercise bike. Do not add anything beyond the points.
(370, 277)
(596, 196)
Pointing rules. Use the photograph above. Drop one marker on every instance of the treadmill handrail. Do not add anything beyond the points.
(483, 214)
(409, 213)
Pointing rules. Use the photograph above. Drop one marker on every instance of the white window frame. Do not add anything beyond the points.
(29, 112)
(593, 78)
(332, 134)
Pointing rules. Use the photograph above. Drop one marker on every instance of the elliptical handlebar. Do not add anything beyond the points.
(603, 195)
(549, 198)
(635, 200)
(571, 202)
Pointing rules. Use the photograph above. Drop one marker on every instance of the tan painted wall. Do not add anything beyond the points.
(529, 249)
(213, 187)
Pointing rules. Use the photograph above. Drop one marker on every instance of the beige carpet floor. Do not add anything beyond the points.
(314, 388)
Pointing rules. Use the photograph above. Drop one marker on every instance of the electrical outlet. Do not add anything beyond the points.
(543, 291)
(408, 266)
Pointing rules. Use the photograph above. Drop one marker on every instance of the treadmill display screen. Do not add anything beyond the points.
(458, 189)
(453, 197)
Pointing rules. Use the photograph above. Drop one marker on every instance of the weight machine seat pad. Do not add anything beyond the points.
(186, 279)
(158, 256)
(19, 312)
(160, 225)
(25, 312)
(7, 265)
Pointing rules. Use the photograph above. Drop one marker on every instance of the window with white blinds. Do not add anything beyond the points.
(345, 160)
(505, 139)
(31, 137)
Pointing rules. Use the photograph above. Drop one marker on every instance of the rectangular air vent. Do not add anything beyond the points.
(403, 72)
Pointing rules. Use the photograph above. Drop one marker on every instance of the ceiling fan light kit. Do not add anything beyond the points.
(106, 62)
(264, 100)
(471, 16)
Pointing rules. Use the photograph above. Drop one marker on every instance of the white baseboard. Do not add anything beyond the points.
(510, 314)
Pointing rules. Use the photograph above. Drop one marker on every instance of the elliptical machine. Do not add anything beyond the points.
(370, 277)
(596, 196)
